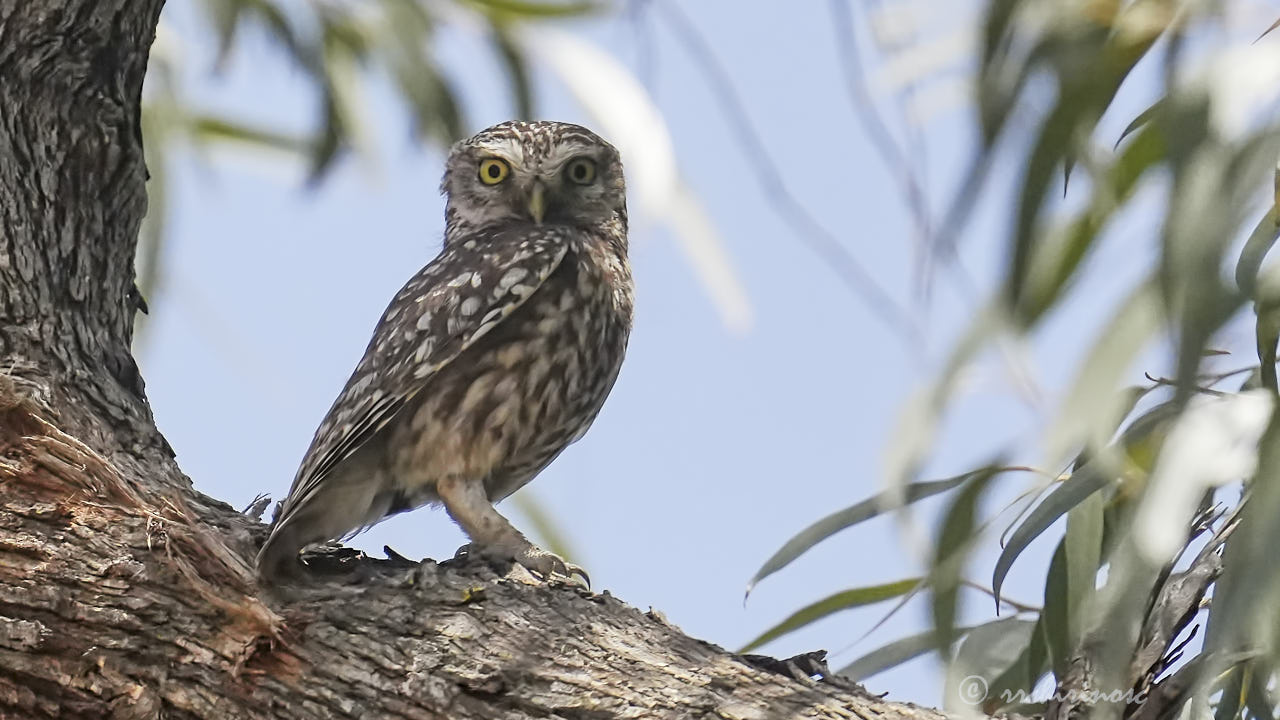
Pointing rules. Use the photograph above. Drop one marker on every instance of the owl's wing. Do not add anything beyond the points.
(450, 304)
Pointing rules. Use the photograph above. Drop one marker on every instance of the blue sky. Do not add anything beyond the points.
(715, 446)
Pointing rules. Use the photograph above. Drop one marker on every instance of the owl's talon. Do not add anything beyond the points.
(540, 562)
(575, 570)
(548, 564)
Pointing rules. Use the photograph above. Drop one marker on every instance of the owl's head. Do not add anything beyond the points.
(533, 173)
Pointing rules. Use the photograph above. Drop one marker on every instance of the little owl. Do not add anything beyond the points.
(488, 362)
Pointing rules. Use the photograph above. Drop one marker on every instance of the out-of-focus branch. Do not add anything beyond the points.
(895, 159)
(808, 230)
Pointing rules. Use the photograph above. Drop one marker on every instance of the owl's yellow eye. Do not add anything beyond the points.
(493, 171)
(581, 171)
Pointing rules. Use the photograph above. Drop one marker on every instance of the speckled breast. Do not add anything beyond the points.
(525, 391)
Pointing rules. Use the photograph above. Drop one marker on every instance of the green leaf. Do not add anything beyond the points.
(1142, 119)
(1056, 614)
(1037, 282)
(544, 526)
(517, 67)
(206, 128)
(1235, 683)
(893, 654)
(1083, 553)
(988, 652)
(1264, 236)
(954, 544)
(1242, 614)
(1071, 492)
(1018, 680)
(850, 516)
(1093, 409)
(529, 9)
(1268, 335)
(1258, 700)
(836, 602)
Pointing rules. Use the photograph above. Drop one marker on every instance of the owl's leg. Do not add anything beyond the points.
(491, 534)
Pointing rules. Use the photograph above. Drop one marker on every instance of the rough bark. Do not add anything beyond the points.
(124, 593)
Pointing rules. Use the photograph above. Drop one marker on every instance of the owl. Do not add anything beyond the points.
(490, 361)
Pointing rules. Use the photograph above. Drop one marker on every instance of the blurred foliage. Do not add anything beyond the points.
(1160, 594)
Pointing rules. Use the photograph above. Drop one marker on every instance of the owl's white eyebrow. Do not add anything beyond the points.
(508, 150)
(564, 153)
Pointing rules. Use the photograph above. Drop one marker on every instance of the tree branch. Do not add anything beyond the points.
(121, 603)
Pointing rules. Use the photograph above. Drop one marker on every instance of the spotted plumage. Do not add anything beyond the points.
(490, 360)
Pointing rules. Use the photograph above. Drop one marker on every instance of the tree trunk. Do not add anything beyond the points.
(126, 594)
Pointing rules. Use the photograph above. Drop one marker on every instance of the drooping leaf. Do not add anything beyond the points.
(850, 516)
(1092, 409)
(533, 9)
(213, 128)
(517, 66)
(1056, 614)
(1264, 235)
(950, 554)
(545, 527)
(893, 654)
(985, 655)
(1084, 482)
(1082, 548)
(1142, 119)
(1235, 686)
(1014, 685)
(843, 600)
(1037, 281)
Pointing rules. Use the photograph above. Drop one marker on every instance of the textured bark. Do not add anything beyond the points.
(124, 593)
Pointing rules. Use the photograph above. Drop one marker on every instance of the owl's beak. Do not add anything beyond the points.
(537, 202)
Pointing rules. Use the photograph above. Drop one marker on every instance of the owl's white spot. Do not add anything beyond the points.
(393, 313)
(470, 306)
(424, 349)
(521, 290)
(469, 245)
(476, 280)
(461, 280)
(511, 277)
(491, 316)
(424, 321)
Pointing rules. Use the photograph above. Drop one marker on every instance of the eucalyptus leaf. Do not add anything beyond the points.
(988, 652)
(852, 515)
(1082, 547)
(843, 600)
(950, 553)
(1084, 482)
(893, 654)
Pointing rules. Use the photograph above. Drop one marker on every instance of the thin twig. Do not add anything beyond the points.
(1169, 382)
(1003, 599)
(819, 240)
(893, 157)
